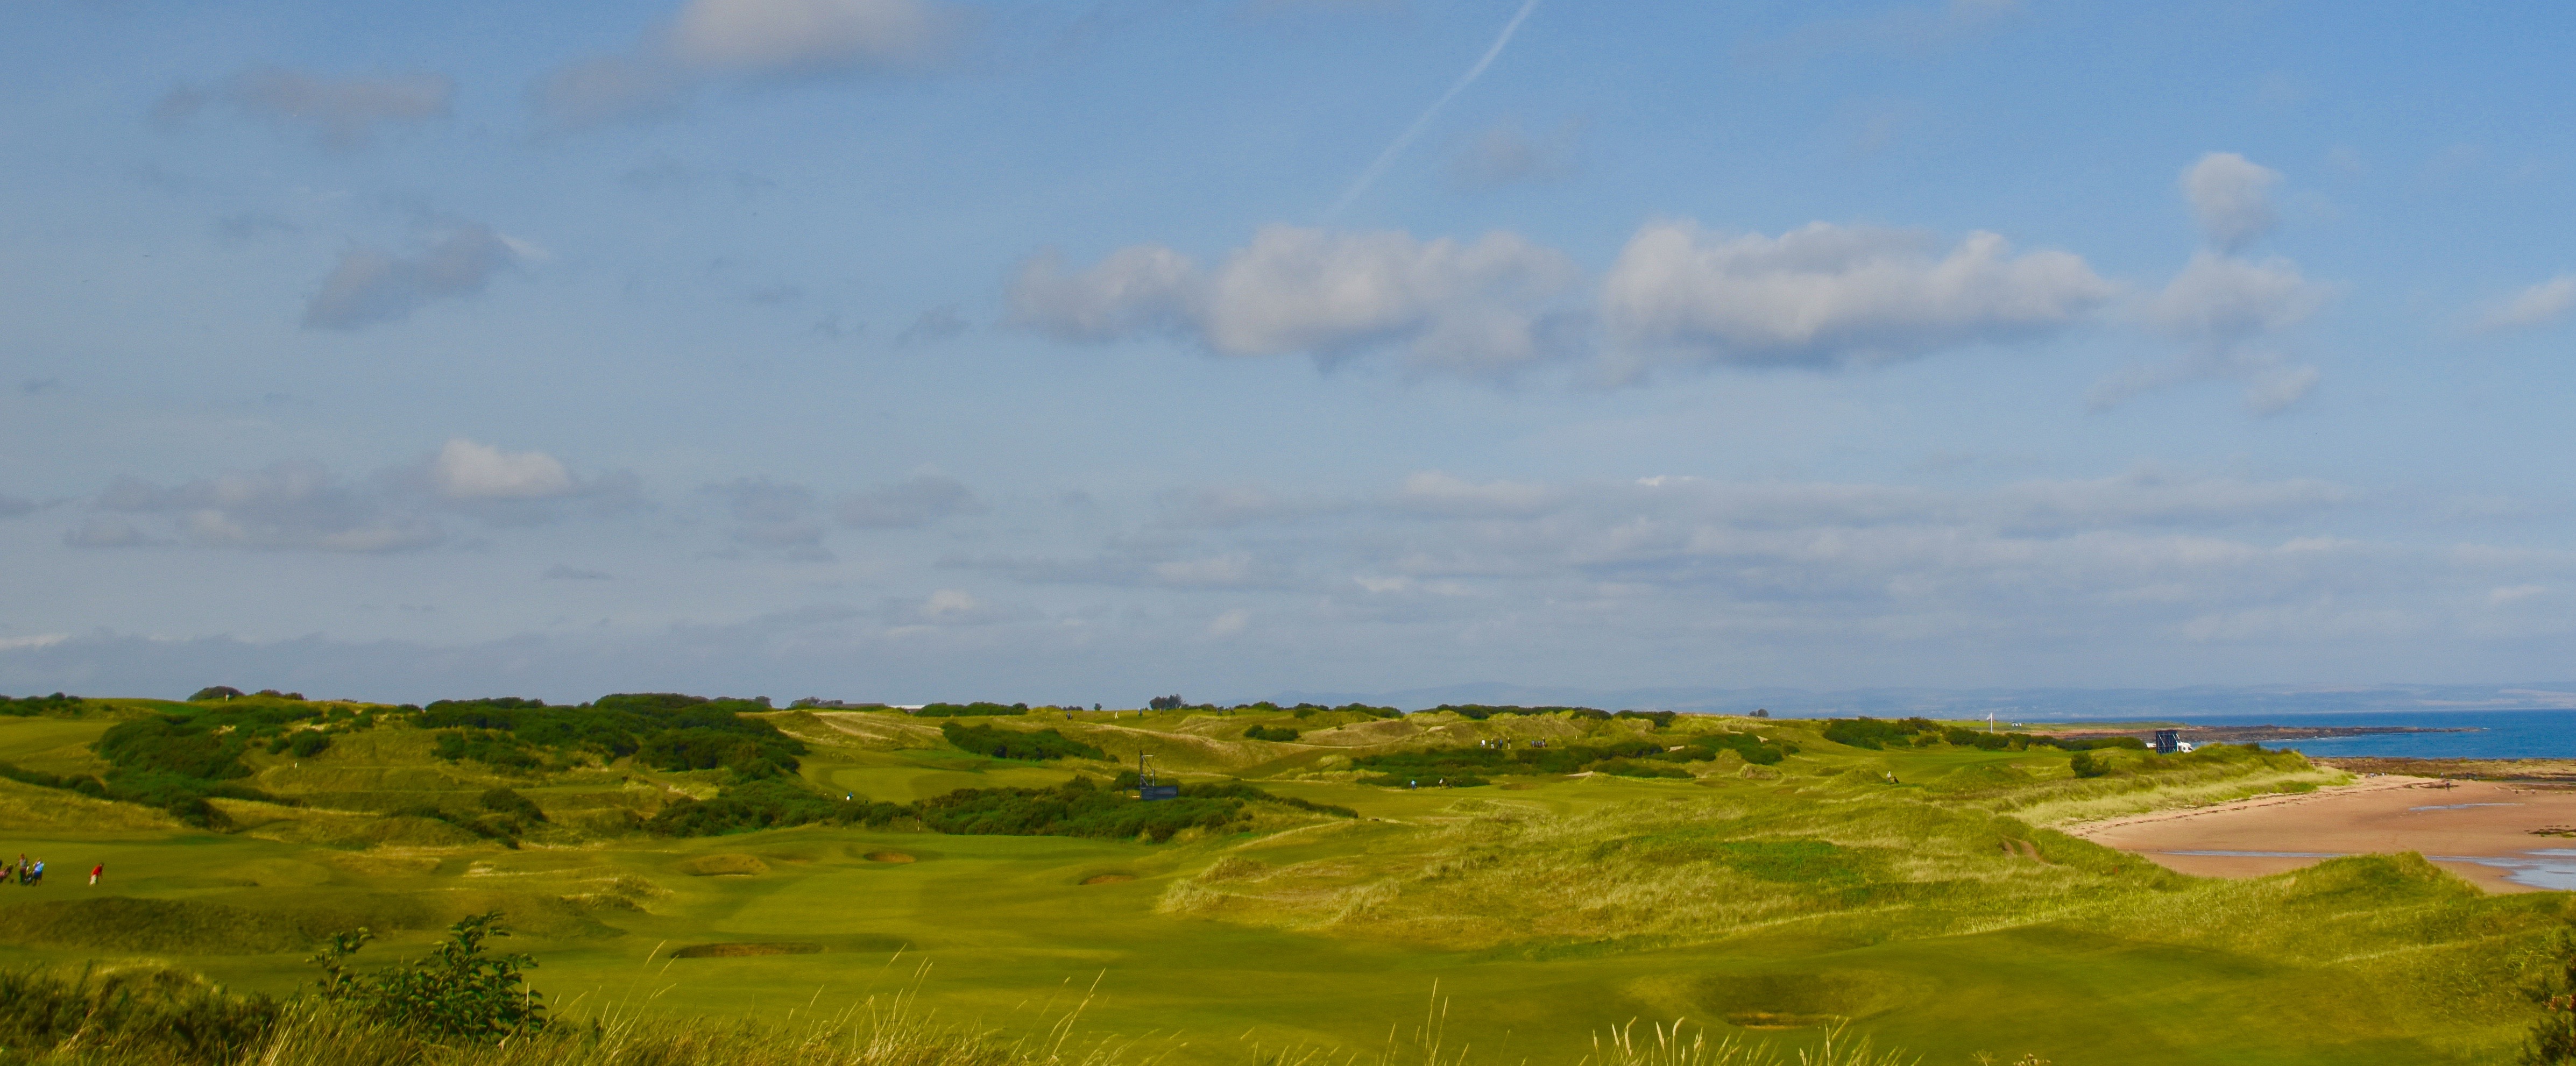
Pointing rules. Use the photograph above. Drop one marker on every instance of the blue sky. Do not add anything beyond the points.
(923, 349)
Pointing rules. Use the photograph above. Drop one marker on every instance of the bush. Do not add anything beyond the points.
(1480, 712)
(1278, 734)
(2085, 765)
(1458, 764)
(1032, 745)
(1172, 702)
(456, 991)
(1079, 808)
(212, 693)
(505, 801)
(771, 803)
(32, 706)
(978, 709)
(664, 730)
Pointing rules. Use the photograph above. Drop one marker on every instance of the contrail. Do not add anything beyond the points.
(1392, 150)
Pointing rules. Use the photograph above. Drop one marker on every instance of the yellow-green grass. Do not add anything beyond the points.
(1747, 897)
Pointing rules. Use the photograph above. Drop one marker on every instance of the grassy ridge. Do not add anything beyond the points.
(1914, 887)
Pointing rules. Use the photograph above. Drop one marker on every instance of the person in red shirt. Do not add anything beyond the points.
(94, 873)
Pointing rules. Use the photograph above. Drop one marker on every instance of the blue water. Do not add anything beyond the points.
(2502, 734)
(2550, 868)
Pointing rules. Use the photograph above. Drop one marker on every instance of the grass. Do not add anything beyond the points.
(1938, 912)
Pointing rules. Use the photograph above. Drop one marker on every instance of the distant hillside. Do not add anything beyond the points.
(2024, 703)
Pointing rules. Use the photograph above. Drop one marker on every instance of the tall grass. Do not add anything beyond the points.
(153, 1016)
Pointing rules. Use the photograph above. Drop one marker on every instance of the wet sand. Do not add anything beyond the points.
(2379, 815)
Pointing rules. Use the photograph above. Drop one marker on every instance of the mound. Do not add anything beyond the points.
(1799, 1000)
(178, 927)
(737, 951)
(1982, 778)
(29, 808)
(723, 866)
(890, 856)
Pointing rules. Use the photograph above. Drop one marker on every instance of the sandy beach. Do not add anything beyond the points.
(2483, 831)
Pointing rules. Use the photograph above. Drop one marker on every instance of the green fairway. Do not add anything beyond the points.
(1926, 910)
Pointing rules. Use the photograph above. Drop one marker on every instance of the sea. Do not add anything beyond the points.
(2531, 734)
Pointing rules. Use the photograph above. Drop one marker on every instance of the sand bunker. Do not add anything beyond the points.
(2497, 836)
(1107, 879)
(890, 856)
(723, 866)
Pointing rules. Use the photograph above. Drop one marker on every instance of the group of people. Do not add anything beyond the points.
(32, 872)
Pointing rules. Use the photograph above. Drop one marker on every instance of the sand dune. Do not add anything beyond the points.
(2494, 835)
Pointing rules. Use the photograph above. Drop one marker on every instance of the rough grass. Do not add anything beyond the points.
(155, 1016)
(1748, 898)
(153, 926)
(30, 809)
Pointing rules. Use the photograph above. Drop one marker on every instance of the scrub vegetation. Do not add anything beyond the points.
(1756, 883)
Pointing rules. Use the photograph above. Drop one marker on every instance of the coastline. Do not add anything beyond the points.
(2496, 835)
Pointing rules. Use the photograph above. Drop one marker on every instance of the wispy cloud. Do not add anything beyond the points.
(1396, 147)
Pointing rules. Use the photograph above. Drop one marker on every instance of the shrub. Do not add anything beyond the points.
(1279, 734)
(456, 991)
(2085, 765)
(505, 801)
(137, 1015)
(770, 803)
(1462, 764)
(1079, 808)
(1032, 745)
(978, 709)
(1480, 712)
(664, 730)
(32, 706)
(215, 693)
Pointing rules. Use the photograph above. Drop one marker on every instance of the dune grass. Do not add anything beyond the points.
(1914, 894)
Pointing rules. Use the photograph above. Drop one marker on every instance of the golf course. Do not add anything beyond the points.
(1476, 884)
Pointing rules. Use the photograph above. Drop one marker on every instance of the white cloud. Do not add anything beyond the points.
(739, 40)
(2538, 305)
(2514, 594)
(1229, 623)
(2227, 308)
(789, 35)
(2223, 298)
(1135, 291)
(1828, 295)
(371, 285)
(105, 532)
(465, 470)
(305, 506)
(287, 506)
(2231, 197)
(1475, 308)
(1433, 492)
(339, 112)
